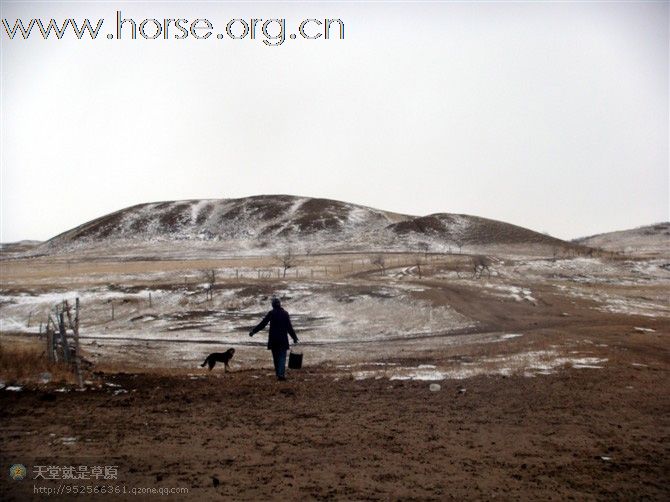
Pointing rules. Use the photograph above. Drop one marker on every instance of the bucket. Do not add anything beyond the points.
(295, 360)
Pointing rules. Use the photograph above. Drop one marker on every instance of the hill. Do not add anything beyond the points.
(262, 224)
(649, 240)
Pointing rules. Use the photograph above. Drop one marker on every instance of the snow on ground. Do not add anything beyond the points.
(594, 271)
(621, 304)
(384, 313)
(321, 313)
(527, 363)
(517, 293)
(349, 317)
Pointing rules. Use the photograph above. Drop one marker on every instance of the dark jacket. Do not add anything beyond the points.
(280, 326)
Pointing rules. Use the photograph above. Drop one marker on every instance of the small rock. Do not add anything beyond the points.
(434, 387)
(45, 377)
(461, 390)
(215, 481)
(14, 388)
(644, 330)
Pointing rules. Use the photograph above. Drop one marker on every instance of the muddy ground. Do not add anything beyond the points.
(575, 434)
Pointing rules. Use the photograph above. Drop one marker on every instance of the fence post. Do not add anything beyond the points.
(52, 328)
(63, 337)
(75, 330)
(50, 344)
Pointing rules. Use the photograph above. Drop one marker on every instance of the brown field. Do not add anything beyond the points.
(551, 393)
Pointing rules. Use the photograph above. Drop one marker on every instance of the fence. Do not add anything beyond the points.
(59, 321)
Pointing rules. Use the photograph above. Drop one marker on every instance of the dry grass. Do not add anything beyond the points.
(24, 362)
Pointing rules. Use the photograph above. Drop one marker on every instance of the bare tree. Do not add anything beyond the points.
(424, 247)
(287, 259)
(418, 262)
(479, 263)
(459, 243)
(380, 261)
(210, 279)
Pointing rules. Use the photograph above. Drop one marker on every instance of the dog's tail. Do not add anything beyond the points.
(204, 363)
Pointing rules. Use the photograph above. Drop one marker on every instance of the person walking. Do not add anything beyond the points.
(280, 327)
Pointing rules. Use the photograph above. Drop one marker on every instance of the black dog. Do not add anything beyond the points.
(219, 357)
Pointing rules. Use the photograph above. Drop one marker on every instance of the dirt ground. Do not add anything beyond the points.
(549, 398)
(576, 434)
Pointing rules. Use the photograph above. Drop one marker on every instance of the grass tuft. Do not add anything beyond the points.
(25, 362)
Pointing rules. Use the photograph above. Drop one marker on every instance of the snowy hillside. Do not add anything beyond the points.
(463, 229)
(648, 240)
(263, 224)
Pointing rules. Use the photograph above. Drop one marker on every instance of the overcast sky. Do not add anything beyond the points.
(552, 116)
